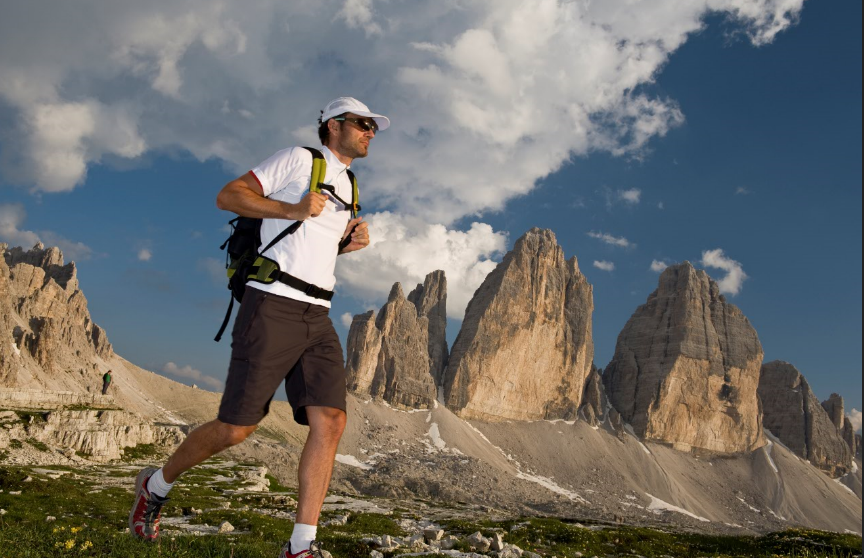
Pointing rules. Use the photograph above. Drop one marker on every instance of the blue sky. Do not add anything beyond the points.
(741, 133)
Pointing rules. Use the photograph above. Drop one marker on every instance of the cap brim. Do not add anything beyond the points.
(382, 121)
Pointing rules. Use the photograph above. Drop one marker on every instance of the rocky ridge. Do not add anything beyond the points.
(525, 348)
(45, 317)
(686, 368)
(547, 467)
(398, 356)
(793, 414)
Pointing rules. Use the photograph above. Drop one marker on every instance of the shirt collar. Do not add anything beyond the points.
(333, 161)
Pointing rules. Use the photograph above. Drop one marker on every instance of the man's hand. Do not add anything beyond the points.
(359, 236)
(311, 205)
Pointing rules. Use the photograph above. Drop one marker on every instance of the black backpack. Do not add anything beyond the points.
(244, 261)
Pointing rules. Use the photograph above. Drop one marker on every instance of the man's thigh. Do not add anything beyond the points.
(319, 378)
(268, 339)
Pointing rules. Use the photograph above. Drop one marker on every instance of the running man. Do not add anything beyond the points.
(280, 332)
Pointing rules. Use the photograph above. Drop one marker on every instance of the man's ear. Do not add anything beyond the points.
(334, 126)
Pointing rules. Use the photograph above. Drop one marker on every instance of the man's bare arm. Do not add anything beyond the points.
(245, 197)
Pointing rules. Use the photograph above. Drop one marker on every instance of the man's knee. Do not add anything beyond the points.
(327, 422)
(232, 434)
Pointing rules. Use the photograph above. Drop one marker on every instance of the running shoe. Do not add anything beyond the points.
(146, 509)
(314, 551)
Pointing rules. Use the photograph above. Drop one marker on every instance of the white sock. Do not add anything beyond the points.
(302, 537)
(157, 485)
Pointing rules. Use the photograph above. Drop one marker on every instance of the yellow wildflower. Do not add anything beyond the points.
(75, 529)
(86, 545)
(69, 544)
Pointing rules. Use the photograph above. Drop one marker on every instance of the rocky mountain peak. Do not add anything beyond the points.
(834, 407)
(525, 348)
(397, 356)
(793, 414)
(686, 367)
(430, 299)
(48, 259)
(45, 316)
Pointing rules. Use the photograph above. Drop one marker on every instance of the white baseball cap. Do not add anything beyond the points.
(352, 105)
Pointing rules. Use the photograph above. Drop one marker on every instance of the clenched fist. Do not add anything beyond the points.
(359, 231)
(311, 205)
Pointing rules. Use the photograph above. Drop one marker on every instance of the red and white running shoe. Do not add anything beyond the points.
(146, 509)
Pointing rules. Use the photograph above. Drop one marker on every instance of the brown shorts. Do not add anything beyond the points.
(274, 339)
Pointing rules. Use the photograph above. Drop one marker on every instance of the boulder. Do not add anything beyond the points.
(478, 542)
(686, 368)
(793, 414)
(525, 348)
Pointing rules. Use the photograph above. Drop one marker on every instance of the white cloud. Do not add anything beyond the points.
(191, 374)
(347, 318)
(92, 83)
(604, 265)
(613, 240)
(145, 254)
(12, 216)
(405, 250)
(742, 191)
(661, 205)
(735, 276)
(854, 417)
(358, 13)
(632, 196)
(218, 80)
(658, 266)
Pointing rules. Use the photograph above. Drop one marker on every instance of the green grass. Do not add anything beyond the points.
(555, 537)
(91, 519)
(141, 452)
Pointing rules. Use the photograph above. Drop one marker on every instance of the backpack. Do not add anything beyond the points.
(244, 261)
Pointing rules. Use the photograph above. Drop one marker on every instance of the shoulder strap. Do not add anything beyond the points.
(319, 169)
(355, 194)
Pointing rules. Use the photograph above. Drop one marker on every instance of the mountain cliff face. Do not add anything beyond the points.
(526, 348)
(44, 317)
(835, 408)
(794, 415)
(686, 368)
(430, 299)
(398, 355)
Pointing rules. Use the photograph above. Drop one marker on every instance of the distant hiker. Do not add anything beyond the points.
(106, 381)
(282, 332)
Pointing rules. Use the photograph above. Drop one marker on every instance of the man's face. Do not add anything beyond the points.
(355, 135)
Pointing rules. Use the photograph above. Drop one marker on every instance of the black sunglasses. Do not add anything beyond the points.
(365, 124)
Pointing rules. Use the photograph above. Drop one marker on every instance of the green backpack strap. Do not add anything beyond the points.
(319, 170)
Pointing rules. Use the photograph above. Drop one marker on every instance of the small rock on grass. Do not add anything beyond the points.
(479, 542)
(225, 527)
(449, 542)
(50, 518)
(376, 554)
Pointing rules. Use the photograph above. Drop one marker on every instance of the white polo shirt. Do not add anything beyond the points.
(310, 253)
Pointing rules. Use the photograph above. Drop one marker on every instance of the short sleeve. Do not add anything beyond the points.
(278, 170)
